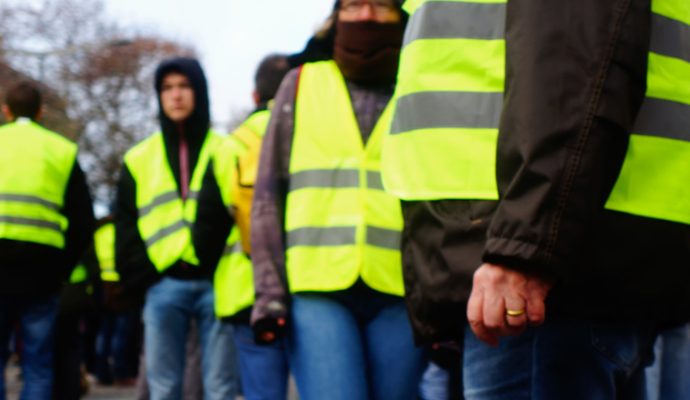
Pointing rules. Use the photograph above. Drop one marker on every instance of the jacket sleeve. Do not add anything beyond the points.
(575, 79)
(136, 271)
(213, 222)
(268, 206)
(78, 210)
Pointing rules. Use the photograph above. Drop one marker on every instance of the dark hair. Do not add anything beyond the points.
(24, 100)
(269, 75)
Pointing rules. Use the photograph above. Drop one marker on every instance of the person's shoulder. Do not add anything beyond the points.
(141, 148)
(53, 138)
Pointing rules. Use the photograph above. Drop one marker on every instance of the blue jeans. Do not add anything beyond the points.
(561, 360)
(353, 345)
(170, 306)
(434, 384)
(114, 341)
(667, 378)
(264, 368)
(37, 320)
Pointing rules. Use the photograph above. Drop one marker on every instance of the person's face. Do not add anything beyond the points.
(177, 97)
(381, 11)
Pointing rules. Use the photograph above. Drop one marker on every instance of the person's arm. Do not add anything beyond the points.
(136, 271)
(576, 77)
(78, 210)
(268, 210)
(213, 222)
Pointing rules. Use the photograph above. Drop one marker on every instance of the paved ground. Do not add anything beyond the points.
(14, 386)
(96, 392)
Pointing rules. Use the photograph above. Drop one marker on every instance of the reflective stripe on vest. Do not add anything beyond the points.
(233, 281)
(79, 274)
(37, 164)
(340, 224)
(448, 102)
(164, 218)
(234, 278)
(654, 179)
(104, 244)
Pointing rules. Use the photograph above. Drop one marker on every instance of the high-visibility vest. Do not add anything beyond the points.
(233, 281)
(79, 274)
(653, 181)
(164, 218)
(36, 166)
(250, 135)
(448, 102)
(340, 224)
(104, 244)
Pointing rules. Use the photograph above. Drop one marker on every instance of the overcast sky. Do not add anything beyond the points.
(231, 36)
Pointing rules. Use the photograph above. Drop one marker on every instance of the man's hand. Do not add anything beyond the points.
(504, 301)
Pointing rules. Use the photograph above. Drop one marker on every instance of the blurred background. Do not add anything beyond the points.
(95, 60)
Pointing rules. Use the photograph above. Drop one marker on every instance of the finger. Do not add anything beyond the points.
(494, 312)
(476, 319)
(536, 310)
(516, 313)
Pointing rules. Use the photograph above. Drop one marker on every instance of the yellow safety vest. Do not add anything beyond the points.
(233, 281)
(164, 218)
(654, 180)
(79, 274)
(104, 244)
(37, 164)
(340, 223)
(448, 102)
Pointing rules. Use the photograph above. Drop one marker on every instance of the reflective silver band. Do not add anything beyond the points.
(158, 201)
(429, 110)
(374, 180)
(30, 222)
(385, 238)
(324, 178)
(20, 198)
(339, 236)
(193, 195)
(450, 20)
(165, 232)
(664, 118)
(333, 178)
(234, 249)
(670, 37)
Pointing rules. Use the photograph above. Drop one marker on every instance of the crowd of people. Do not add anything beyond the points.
(434, 200)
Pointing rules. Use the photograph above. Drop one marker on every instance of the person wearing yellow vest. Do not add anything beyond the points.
(581, 255)
(46, 222)
(118, 320)
(221, 236)
(154, 254)
(325, 236)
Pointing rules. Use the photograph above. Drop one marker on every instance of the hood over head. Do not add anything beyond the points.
(199, 121)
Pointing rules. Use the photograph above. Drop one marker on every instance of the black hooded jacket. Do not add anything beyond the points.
(137, 272)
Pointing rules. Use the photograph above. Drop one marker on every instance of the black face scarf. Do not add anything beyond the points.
(368, 52)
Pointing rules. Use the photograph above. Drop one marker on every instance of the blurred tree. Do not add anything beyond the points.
(101, 70)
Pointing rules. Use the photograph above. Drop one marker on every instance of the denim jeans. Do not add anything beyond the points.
(668, 378)
(114, 340)
(264, 368)
(353, 345)
(170, 305)
(561, 359)
(36, 316)
(434, 384)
